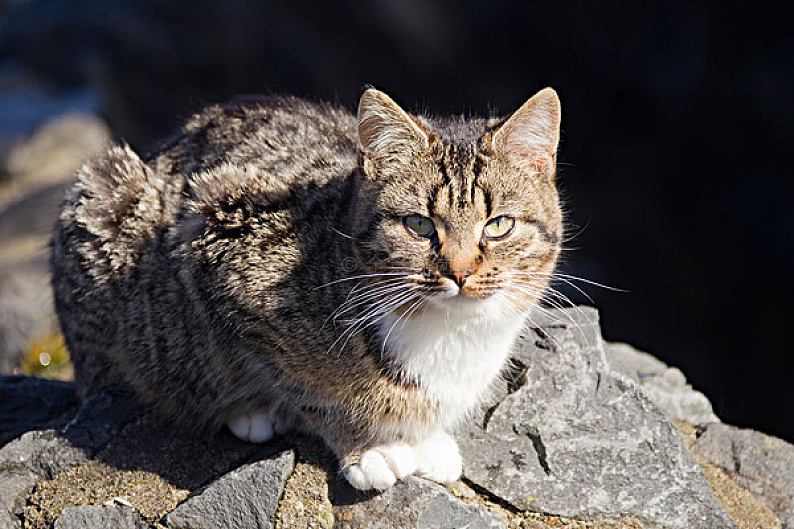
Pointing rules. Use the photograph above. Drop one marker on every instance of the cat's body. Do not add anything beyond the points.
(265, 268)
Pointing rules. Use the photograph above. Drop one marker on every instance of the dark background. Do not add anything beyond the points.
(676, 151)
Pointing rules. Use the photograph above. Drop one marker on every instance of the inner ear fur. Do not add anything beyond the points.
(530, 136)
(385, 130)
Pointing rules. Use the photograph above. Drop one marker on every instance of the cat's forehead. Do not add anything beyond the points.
(458, 130)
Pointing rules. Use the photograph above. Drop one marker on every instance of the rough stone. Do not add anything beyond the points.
(580, 440)
(31, 403)
(99, 516)
(761, 463)
(31, 458)
(42, 454)
(666, 386)
(412, 503)
(246, 497)
(14, 485)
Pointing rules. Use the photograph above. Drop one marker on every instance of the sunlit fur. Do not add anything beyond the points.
(257, 265)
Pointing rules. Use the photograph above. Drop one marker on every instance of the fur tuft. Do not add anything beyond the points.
(118, 200)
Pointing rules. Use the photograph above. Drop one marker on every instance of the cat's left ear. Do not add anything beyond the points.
(385, 130)
(529, 138)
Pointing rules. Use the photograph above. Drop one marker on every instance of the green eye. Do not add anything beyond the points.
(418, 225)
(499, 228)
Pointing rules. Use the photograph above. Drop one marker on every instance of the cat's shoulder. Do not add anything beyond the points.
(267, 131)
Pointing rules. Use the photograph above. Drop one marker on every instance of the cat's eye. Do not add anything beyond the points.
(419, 225)
(499, 228)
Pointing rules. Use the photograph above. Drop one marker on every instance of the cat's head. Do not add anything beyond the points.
(458, 211)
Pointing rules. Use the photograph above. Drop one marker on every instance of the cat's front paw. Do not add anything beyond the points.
(380, 467)
(438, 458)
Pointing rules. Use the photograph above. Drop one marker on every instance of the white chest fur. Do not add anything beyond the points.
(454, 354)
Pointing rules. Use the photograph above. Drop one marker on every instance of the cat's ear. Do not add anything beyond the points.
(529, 138)
(385, 130)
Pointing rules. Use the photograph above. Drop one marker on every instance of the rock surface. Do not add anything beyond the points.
(666, 386)
(246, 497)
(576, 434)
(574, 438)
(761, 463)
(413, 503)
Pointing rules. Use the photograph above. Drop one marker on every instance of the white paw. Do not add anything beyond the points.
(253, 426)
(380, 467)
(439, 459)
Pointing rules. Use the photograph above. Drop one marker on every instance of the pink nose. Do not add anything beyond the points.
(460, 276)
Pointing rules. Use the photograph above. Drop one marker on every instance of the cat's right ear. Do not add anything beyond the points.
(529, 138)
(386, 131)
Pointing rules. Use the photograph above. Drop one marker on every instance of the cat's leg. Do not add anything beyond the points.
(379, 467)
(365, 466)
(438, 458)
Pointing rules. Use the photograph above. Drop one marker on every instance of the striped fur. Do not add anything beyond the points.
(225, 272)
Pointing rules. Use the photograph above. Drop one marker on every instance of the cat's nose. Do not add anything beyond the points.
(460, 276)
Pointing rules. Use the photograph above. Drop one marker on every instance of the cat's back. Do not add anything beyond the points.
(296, 140)
(121, 202)
(114, 239)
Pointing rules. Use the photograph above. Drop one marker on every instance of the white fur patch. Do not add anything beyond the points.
(438, 458)
(454, 348)
(253, 426)
(380, 467)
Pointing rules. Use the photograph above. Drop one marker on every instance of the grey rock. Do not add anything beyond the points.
(246, 497)
(30, 403)
(761, 463)
(99, 517)
(581, 440)
(412, 503)
(32, 457)
(42, 452)
(666, 386)
(14, 486)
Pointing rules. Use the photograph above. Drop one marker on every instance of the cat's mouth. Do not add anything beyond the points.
(471, 292)
(447, 292)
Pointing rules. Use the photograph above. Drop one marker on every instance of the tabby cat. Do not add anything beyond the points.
(280, 264)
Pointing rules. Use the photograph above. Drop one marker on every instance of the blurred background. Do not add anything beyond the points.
(675, 158)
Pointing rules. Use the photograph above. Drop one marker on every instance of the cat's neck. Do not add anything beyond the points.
(454, 353)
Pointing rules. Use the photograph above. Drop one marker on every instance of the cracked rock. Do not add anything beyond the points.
(246, 497)
(761, 463)
(412, 503)
(581, 440)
